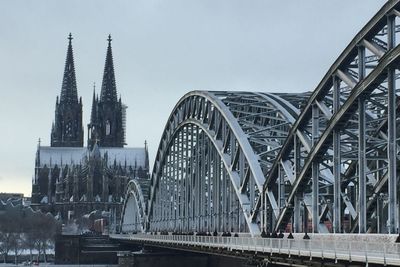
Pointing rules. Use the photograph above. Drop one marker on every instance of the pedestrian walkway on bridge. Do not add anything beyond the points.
(367, 249)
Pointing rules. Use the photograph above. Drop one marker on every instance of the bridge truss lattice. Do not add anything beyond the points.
(324, 161)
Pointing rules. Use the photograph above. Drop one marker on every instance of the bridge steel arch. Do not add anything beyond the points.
(352, 137)
(212, 159)
(252, 162)
(133, 217)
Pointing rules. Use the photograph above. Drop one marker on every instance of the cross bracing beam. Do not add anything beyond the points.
(247, 162)
(323, 89)
(391, 59)
(223, 123)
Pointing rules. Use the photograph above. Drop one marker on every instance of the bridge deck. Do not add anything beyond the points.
(368, 252)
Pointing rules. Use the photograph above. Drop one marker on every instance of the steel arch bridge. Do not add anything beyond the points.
(324, 161)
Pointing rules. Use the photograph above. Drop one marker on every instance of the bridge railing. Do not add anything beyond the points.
(373, 252)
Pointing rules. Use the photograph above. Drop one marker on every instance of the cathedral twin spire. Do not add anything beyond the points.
(67, 130)
(106, 121)
(106, 125)
(108, 87)
(69, 92)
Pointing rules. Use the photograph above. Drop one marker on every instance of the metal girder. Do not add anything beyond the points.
(134, 209)
(366, 86)
(323, 152)
(229, 127)
(231, 157)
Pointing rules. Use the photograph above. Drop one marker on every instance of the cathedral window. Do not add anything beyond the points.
(68, 129)
(108, 127)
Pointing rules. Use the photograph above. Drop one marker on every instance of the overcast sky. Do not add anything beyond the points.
(162, 49)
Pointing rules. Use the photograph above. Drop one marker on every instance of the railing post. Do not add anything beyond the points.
(349, 251)
(270, 245)
(384, 254)
(263, 244)
(322, 249)
(279, 245)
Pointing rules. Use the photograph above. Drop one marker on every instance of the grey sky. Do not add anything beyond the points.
(162, 49)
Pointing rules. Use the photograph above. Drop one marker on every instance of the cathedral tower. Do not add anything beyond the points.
(67, 128)
(106, 125)
(71, 180)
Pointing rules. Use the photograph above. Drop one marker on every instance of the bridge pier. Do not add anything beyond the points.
(165, 259)
(171, 258)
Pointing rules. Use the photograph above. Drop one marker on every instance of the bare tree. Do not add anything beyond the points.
(29, 243)
(5, 244)
(23, 228)
(41, 233)
(16, 245)
(7, 229)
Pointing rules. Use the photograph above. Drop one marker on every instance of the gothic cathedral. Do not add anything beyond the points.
(71, 180)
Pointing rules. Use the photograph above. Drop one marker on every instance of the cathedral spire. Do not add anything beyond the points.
(108, 110)
(108, 87)
(67, 130)
(69, 92)
(93, 115)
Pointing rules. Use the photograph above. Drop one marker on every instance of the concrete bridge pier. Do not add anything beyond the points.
(168, 258)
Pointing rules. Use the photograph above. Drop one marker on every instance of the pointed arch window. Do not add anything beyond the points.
(108, 127)
(68, 129)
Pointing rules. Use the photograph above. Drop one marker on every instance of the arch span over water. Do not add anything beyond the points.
(324, 161)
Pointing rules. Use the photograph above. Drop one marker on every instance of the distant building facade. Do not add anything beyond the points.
(10, 196)
(73, 180)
